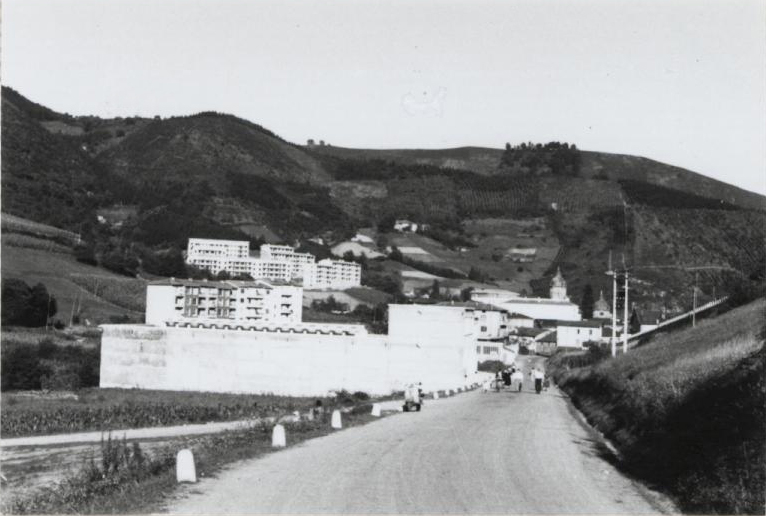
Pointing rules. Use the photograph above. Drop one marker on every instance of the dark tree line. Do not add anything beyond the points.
(558, 159)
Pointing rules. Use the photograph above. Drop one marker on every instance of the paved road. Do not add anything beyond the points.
(474, 453)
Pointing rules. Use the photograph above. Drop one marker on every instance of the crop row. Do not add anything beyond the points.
(127, 293)
(18, 420)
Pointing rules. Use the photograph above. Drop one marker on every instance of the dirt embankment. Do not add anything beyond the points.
(694, 432)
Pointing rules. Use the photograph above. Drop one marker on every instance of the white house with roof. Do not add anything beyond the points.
(557, 306)
(404, 225)
(574, 334)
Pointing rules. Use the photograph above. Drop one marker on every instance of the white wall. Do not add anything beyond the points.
(139, 356)
(572, 337)
(160, 304)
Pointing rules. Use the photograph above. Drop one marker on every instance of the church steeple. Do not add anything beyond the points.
(559, 287)
(601, 304)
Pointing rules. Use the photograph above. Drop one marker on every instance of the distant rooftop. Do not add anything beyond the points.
(581, 324)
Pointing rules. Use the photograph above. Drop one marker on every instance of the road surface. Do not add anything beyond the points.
(506, 452)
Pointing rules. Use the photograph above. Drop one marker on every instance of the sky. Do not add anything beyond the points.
(682, 82)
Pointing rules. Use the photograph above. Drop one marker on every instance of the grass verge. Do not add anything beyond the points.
(127, 480)
(687, 411)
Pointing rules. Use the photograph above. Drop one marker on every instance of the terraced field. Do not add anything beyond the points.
(58, 272)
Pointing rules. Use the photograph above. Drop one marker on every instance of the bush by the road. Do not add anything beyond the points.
(47, 365)
(491, 366)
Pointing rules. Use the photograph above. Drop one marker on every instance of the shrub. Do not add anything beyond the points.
(22, 369)
(361, 396)
(60, 381)
(25, 306)
(491, 366)
(46, 348)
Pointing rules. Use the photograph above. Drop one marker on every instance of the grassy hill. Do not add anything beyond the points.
(687, 410)
(92, 293)
(215, 175)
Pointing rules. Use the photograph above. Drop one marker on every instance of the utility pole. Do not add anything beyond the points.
(625, 321)
(613, 339)
(694, 302)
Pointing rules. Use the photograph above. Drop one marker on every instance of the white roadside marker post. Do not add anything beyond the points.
(336, 423)
(278, 439)
(376, 409)
(185, 471)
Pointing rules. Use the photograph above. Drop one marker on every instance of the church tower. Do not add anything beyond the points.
(559, 287)
(601, 309)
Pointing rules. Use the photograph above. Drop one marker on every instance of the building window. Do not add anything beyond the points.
(483, 328)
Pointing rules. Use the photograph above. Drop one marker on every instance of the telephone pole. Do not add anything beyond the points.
(694, 301)
(625, 321)
(613, 339)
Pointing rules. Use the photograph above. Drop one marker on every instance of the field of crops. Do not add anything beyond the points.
(575, 194)
(32, 242)
(112, 409)
(127, 293)
(11, 223)
(502, 198)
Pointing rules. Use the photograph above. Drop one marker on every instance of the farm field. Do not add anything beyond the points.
(95, 409)
(11, 223)
(55, 270)
(495, 237)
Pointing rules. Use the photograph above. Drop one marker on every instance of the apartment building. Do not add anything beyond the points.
(276, 262)
(244, 302)
(332, 274)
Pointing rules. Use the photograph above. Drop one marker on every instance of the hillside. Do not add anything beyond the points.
(215, 175)
(83, 292)
(686, 410)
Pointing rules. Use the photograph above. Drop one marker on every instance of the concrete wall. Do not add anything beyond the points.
(148, 357)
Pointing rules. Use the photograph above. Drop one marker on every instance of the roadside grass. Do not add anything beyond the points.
(687, 410)
(127, 480)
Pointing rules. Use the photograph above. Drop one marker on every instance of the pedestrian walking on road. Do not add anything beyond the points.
(538, 376)
(506, 377)
(518, 379)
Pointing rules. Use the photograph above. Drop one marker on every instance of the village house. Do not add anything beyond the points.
(574, 334)
(645, 320)
(404, 225)
(546, 344)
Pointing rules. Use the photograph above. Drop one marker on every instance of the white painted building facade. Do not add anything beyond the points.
(276, 262)
(574, 334)
(176, 301)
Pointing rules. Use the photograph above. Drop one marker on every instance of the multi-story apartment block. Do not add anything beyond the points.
(332, 274)
(246, 302)
(277, 262)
